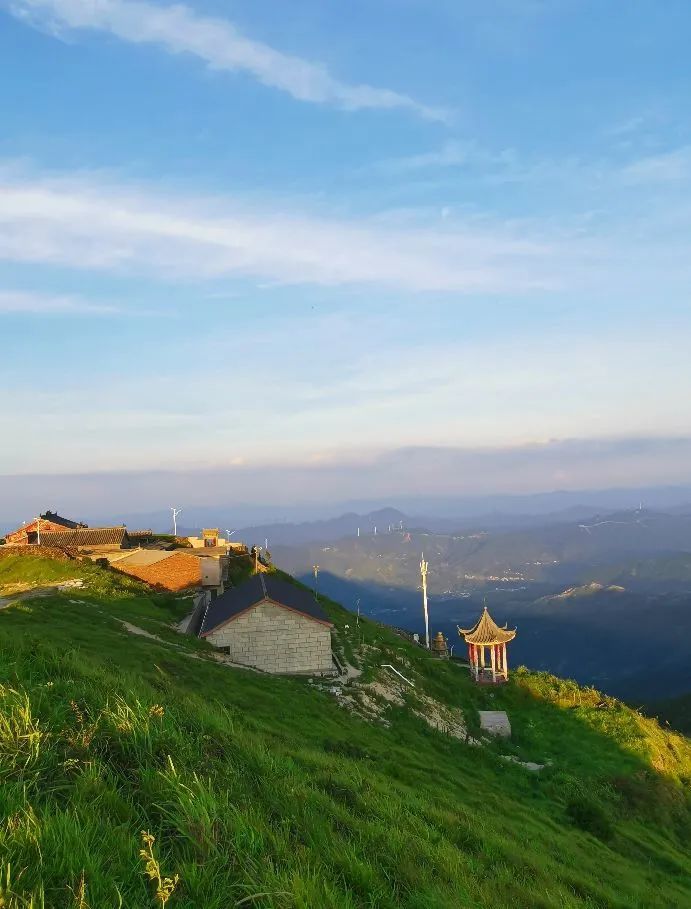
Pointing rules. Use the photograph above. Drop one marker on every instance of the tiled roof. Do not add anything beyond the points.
(55, 518)
(262, 587)
(486, 631)
(85, 536)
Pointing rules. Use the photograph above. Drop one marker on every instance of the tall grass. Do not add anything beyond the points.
(262, 792)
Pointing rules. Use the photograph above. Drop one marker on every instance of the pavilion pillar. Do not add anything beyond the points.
(506, 667)
(493, 658)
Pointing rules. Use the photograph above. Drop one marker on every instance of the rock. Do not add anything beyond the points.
(529, 765)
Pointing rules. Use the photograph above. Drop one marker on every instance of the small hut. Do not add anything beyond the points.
(483, 635)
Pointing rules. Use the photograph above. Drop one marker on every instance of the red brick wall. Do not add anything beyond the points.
(178, 572)
(21, 536)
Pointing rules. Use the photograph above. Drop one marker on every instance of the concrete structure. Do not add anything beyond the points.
(495, 722)
(272, 625)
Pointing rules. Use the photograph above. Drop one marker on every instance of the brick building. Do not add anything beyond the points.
(46, 523)
(271, 625)
(172, 570)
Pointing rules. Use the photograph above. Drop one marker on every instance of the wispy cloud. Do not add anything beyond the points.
(15, 302)
(88, 223)
(387, 478)
(219, 44)
(451, 154)
(665, 167)
(338, 384)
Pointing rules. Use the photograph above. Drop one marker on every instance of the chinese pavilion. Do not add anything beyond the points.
(489, 668)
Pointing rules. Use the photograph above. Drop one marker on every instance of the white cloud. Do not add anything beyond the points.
(218, 43)
(320, 392)
(451, 154)
(22, 303)
(87, 223)
(666, 167)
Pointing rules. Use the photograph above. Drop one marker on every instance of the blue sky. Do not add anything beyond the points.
(265, 235)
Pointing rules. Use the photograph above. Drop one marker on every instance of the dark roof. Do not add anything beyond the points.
(84, 536)
(55, 518)
(261, 587)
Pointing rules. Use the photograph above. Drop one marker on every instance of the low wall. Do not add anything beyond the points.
(67, 554)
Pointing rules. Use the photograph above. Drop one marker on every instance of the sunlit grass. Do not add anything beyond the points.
(263, 792)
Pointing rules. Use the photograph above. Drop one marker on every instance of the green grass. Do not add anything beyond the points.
(263, 792)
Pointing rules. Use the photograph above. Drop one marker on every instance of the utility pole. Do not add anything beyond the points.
(315, 568)
(423, 572)
(256, 559)
(176, 512)
(38, 530)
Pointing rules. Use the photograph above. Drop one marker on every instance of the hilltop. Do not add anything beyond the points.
(583, 590)
(259, 791)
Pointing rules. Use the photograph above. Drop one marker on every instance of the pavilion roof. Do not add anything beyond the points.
(486, 631)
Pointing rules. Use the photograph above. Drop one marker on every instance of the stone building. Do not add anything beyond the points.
(272, 625)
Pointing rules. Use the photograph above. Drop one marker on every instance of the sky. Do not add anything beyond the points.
(344, 249)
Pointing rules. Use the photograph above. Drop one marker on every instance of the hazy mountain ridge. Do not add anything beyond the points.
(604, 601)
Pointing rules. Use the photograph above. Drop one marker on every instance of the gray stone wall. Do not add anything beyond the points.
(276, 640)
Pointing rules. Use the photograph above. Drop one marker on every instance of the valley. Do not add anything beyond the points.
(603, 599)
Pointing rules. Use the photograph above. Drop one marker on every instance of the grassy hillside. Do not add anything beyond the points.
(139, 772)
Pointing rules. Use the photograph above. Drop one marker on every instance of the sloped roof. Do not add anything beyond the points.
(147, 556)
(55, 518)
(85, 536)
(486, 631)
(261, 587)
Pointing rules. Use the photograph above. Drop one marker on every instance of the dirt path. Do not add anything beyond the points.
(27, 595)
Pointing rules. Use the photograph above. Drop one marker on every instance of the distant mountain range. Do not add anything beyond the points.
(605, 599)
(437, 513)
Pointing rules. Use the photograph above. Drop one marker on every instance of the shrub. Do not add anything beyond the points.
(590, 816)
(346, 749)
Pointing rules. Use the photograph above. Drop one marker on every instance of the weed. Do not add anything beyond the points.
(165, 886)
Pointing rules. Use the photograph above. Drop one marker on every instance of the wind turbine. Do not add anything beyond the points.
(176, 512)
